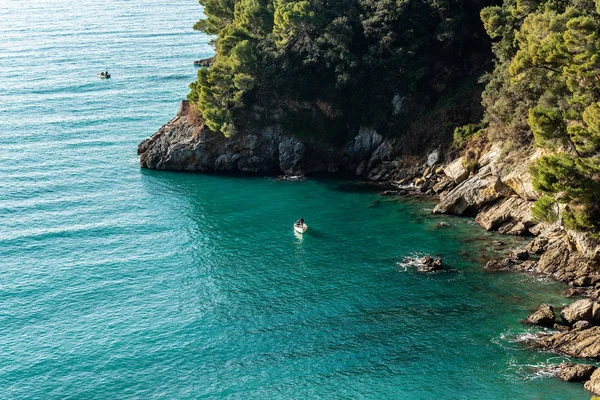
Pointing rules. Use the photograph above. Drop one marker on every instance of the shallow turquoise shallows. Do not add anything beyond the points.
(122, 283)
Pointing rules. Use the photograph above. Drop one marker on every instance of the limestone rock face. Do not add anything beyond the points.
(358, 151)
(471, 195)
(543, 316)
(181, 145)
(561, 259)
(433, 158)
(519, 180)
(511, 215)
(582, 325)
(475, 192)
(593, 385)
(570, 372)
(176, 147)
(582, 310)
(537, 245)
(291, 156)
(456, 171)
(581, 343)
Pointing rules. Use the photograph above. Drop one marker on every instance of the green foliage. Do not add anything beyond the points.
(496, 21)
(544, 209)
(547, 125)
(219, 14)
(550, 79)
(471, 161)
(463, 134)
(579, 219)
(570, 177)
(293, 20)
(352, 56)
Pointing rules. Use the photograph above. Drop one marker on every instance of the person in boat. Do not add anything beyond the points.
(300, 222)
(106, 73)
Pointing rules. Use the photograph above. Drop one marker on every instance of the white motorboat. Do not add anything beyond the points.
(300, 228)
(103, 75)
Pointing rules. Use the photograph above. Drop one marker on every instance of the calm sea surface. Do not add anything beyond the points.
(122, 283)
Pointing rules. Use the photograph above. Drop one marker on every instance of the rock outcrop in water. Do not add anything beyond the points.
(205, 62)
(425, 264)
(543, 316)
(570, 372)
(182, 145)
(502, 202)
(577, 342)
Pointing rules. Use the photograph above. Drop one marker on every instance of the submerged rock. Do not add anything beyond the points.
(430, 264)
(572, 292)
(499, 265)
(425, 264)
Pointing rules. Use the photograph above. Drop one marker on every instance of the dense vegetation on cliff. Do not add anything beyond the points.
(545, 89)
(335, 65)
(332, 66)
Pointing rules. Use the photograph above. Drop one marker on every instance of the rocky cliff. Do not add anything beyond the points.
(501, 199)
(182, 145)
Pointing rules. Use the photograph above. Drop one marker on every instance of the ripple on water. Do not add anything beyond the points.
(121, 283)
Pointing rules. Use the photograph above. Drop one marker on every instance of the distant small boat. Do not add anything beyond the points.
(300, 228)
(102, 75)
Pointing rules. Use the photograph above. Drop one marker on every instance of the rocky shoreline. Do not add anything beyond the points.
(498, 194)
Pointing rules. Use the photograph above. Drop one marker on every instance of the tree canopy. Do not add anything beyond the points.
(346, 59)
(546, 89)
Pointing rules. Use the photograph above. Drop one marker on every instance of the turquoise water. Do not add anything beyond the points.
(122, 283)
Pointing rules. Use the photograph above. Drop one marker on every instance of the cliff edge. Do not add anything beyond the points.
(187, 145)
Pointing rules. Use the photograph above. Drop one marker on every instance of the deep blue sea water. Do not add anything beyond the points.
(122, 283)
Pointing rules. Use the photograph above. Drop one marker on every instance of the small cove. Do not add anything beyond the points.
(124, 283)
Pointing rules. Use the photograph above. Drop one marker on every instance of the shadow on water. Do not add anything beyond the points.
(347, 183)
(316, 233)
